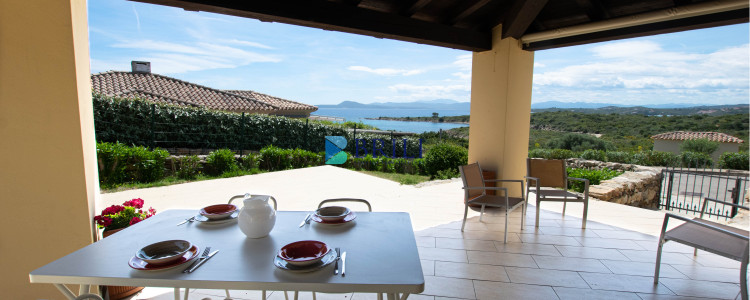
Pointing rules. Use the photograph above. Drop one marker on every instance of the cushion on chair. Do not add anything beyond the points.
(710, 240)
(551, 172)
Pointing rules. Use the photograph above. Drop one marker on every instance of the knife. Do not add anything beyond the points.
(191, 219)
(200, 263)
(343, 264)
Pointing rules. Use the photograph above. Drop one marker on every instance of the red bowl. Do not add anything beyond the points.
(303, 253)
(218, 211)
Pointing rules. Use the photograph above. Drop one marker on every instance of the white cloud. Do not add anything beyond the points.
(386, 71)
(463, 62)
(645, 65)
(248, 43)
(417, 92)
(170, 58)
(539, 65)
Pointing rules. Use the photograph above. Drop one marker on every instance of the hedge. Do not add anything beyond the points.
(139, 122)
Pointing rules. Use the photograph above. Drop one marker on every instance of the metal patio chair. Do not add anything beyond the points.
(550, 183)
(475, 192)
(719, 239)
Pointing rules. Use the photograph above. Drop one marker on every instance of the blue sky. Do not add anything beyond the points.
(709, 66)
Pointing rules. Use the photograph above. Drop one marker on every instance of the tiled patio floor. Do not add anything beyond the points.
(613, 258)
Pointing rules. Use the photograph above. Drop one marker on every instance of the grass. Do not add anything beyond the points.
(408, 179)
(171, 180)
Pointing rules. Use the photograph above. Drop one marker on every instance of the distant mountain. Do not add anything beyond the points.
(558, 104)
(424, 104)
(715, 110)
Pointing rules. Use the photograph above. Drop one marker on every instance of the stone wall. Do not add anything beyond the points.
(638, 186)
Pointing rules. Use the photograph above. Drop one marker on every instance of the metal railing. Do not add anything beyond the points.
(683, 190)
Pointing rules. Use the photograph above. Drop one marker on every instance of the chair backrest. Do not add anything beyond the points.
(551, 172)
(471, 175)
(369, 207)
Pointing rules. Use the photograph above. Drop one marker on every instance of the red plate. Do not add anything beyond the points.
(348, 218)
(139, 264)
(303, 253)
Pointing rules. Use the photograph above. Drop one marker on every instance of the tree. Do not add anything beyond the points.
(704, 146)
(434, 115)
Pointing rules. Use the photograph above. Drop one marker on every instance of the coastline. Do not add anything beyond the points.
(414, 119)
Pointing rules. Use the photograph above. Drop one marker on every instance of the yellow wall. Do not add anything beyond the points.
(501, 107)
(48, 156)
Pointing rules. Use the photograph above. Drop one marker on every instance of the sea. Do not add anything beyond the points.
(362, 115)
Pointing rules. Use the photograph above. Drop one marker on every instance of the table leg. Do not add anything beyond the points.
(404, 296)
(392, 296)
(380, 296)
(187, 291)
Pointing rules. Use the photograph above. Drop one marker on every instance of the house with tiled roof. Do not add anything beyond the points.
(671, 141)
(142, 84)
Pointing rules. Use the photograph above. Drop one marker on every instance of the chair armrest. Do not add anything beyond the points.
(486, 188)
(579, 179)
(506, 180)
(709, 226)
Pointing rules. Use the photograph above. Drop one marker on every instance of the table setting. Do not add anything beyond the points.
(332, 250)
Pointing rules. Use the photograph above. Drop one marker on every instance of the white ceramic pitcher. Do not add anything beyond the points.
(257, 217)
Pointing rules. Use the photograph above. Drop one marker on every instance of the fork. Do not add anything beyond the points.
(203, 256)
(191, 219)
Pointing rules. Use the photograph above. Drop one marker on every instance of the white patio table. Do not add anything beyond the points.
(381, 257)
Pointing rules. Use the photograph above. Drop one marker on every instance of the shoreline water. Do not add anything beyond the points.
(369, 117)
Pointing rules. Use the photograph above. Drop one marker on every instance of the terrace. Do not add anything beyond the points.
(613, 258)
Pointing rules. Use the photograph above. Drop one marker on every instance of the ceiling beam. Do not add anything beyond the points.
(333, 16)
(737, 16)
(415, 7)
(520, 17)
(468, 11)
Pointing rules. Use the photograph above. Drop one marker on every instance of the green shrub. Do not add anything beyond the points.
(540, 153)
(189, 167)
(119, 163)
(734, 160)
(220, 161)
(401, 165)
(445, 157)
(561, 154)
(419, 166)
(594, 177)
(249, 161)
(273, 158)
(695, 160)
(578, 142)
(619, 157)
(592, 154)
(704, 146)
(447, 174)
(303, 158)
(655, 158)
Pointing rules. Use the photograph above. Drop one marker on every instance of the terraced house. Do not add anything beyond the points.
(142, 84)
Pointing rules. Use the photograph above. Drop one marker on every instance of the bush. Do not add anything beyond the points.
(594, 177)
(445, 157)
(561, 154)
(578, 142)
(273, 158)
(119, 163)
(655, 158)
(220, 161)
(734, 160)
(592, 154)
(189, 167)
(619, 157)
(249, 161)
(540, 153)
(419, 166)
(695, 160)
(704, 146)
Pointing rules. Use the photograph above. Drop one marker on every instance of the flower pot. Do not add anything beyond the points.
(119, 292)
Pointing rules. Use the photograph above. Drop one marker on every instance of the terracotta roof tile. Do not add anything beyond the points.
(690, 135)
(163, 89)
(283, 104)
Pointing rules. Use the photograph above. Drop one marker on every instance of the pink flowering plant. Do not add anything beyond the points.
(121, 216)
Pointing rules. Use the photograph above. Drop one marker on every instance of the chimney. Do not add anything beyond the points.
(140, 66)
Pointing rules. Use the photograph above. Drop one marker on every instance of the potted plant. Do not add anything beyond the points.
(116, 218)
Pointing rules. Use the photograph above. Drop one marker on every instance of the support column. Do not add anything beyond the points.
(48, 175)
(501, 107)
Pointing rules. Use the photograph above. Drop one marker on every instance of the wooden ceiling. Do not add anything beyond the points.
(467, 24)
